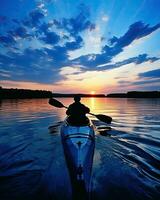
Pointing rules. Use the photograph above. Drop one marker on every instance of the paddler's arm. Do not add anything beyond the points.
(87, 110)
(68, 112)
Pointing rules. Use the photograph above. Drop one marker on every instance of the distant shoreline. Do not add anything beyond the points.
(6, 93)
(135, 94)
(59, 95)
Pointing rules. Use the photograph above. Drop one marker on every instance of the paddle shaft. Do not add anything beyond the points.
(92, 114)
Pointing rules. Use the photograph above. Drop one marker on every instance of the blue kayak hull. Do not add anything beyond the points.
(79, 144)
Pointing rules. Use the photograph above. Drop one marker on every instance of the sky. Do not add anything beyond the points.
(70, 46)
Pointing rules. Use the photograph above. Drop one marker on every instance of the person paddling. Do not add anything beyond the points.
(58, 104)
(77, 112)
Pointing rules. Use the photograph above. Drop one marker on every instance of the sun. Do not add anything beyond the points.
(92, 92)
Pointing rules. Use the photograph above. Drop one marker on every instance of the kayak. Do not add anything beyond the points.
(78, 144)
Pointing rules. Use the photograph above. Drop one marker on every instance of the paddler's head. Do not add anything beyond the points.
(77, 98)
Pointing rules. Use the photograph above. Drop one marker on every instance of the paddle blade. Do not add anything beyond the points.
(104, 118)
(56, 103)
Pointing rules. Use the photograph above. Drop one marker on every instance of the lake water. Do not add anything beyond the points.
(126, 160)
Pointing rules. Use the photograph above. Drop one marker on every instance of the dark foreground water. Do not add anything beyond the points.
(126, 161)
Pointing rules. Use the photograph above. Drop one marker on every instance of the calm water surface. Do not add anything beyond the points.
(126, 161)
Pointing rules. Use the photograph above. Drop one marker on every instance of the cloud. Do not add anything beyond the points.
(34, 18)
(146, 78)
(7, 40)
(32, 65)
(113, 40)
(50, 38)
(65, 71)
(136, 31)
(44, 27)
(75, 44)
(77, 24)
(150, 74)
(40, 5)
(140, 82)
(59, 55)
(81, 22)
(150, 81)
(20, 32)
(26, 85)
(136, 60)
(33, 28)
(4, 75)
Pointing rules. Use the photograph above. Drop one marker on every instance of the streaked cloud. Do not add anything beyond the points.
(25, 85)
(151, 74)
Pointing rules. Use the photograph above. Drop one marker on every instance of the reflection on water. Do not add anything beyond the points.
(92, 103)
(126, 162)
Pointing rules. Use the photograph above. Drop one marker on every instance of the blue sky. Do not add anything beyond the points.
(69, 46)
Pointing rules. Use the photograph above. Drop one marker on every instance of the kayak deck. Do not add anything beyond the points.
(78, 144)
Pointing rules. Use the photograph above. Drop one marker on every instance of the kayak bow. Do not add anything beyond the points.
(78, 144)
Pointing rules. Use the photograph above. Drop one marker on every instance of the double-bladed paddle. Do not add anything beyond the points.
(103, 118)
(56, 103)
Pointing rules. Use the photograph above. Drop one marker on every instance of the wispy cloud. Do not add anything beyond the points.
(151, 74)
(26, 85)
(135, 32)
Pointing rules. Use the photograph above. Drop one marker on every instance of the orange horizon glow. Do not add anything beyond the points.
(92, 92)
(71, 86)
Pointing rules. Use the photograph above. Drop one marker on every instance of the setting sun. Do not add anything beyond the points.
(92, 92)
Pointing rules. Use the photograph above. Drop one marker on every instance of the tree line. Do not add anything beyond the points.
(136, 94)
(6, 93)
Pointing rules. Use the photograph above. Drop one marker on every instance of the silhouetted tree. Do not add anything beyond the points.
(23, 93)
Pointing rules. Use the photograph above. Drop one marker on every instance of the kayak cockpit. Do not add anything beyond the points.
(69, 130)
(80, 135)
